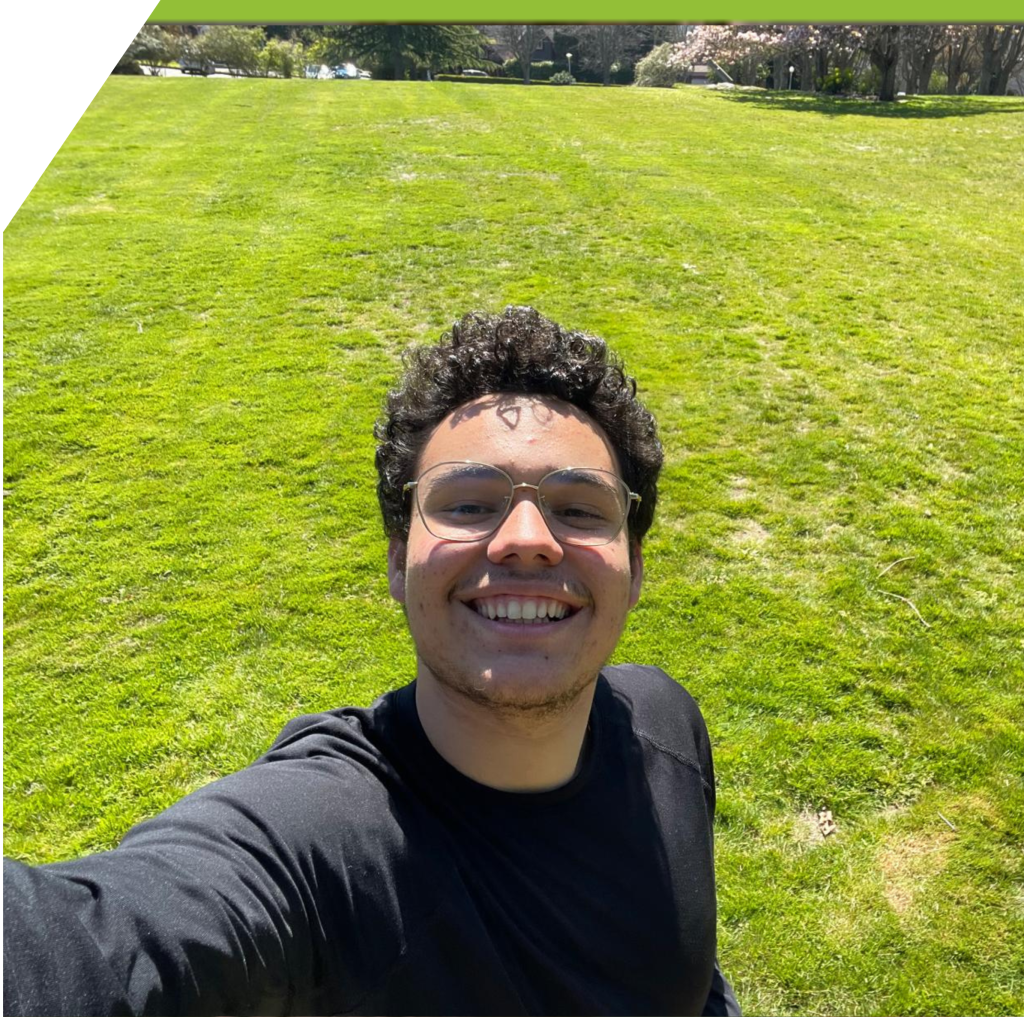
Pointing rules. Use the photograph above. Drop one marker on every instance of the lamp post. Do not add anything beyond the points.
(568, 56)
(791, 69)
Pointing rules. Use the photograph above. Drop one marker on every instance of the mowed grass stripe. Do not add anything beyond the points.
(207, 294)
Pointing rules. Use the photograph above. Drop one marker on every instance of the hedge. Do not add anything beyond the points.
(514, 81)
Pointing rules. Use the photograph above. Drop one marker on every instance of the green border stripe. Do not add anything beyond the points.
(571, 11)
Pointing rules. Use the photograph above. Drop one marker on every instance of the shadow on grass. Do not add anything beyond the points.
(912, 108)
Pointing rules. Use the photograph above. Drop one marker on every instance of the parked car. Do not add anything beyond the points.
(472, 72)
(195, 65)
(351, 73)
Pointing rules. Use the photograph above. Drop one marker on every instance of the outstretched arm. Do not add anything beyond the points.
(208, 908)
(721, 999)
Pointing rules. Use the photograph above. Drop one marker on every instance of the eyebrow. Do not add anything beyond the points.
(576, 475)
(469, 471)
(570, 474)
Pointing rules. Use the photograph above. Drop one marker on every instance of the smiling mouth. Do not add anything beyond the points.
(522, 610)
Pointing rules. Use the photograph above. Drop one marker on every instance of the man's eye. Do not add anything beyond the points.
(580, 515)
(578, 510)
(467, 510)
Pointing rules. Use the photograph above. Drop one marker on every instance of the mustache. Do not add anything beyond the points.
(495, 577)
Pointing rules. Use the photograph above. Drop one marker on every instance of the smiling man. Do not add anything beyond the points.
(517, 576)
(520, 830)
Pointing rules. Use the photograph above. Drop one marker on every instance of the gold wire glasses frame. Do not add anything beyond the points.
(589, 509)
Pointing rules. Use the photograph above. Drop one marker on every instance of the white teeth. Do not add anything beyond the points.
(526, 611)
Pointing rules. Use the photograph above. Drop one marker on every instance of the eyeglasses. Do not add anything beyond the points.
(468, 501)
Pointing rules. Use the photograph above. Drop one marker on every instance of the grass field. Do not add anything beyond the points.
(206, 296)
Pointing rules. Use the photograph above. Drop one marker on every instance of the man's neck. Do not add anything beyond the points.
(504, 750)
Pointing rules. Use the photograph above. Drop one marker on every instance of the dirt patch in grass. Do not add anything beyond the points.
(740, 488)
(807, 832)
(908, 862)
(749, 531)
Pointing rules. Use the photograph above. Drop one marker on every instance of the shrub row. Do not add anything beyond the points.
(244, 51)
(547, 69)
(507, 81)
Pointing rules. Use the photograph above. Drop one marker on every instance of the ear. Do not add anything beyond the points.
(636, 573)
(396, 568)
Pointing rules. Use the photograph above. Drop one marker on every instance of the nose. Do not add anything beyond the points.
(524, 534)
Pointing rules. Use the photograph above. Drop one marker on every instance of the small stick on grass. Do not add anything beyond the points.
(910, 602)
(893, 564)
(947, 822)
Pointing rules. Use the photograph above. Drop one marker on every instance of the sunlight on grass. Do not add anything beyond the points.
(207, 295)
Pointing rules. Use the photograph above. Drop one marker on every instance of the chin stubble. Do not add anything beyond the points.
(542, 704)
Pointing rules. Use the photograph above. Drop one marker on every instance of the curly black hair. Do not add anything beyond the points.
(518, 351)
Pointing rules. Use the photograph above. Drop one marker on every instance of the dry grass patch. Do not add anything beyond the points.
(909, 862)
(806, 830)
(749, 531)
(740, 488)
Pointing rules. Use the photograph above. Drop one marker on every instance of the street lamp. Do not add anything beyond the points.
(568, 56)
(791, 69)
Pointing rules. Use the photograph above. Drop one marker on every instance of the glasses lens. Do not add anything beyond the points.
(463, 501)
(584, 506)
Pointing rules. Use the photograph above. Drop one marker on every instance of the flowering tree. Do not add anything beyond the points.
(987, 54)
(822, 48)
(743, 49)
(754, 50)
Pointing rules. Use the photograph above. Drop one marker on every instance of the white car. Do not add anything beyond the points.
(351, 72)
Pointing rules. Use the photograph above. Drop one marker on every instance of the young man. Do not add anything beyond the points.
(517, 831)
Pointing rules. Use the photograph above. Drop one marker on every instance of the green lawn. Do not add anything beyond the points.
(206, 296)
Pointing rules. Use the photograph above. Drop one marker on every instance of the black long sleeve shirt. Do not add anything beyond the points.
(352, 870)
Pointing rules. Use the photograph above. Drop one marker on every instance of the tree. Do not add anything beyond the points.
(657, 69)
(987, 54)
(1002, 50)
(601, 46)
(960, 56)
(742, 49)
(235, 47)
(153, 45)
(324, 44)
(522, 40)
(818, 49)
(882, 45)
(281, 57)
(398, 46)
(456, 47)
(922, 45)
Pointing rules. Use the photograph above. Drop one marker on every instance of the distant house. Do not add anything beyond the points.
(499, 53)
(698, 74)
